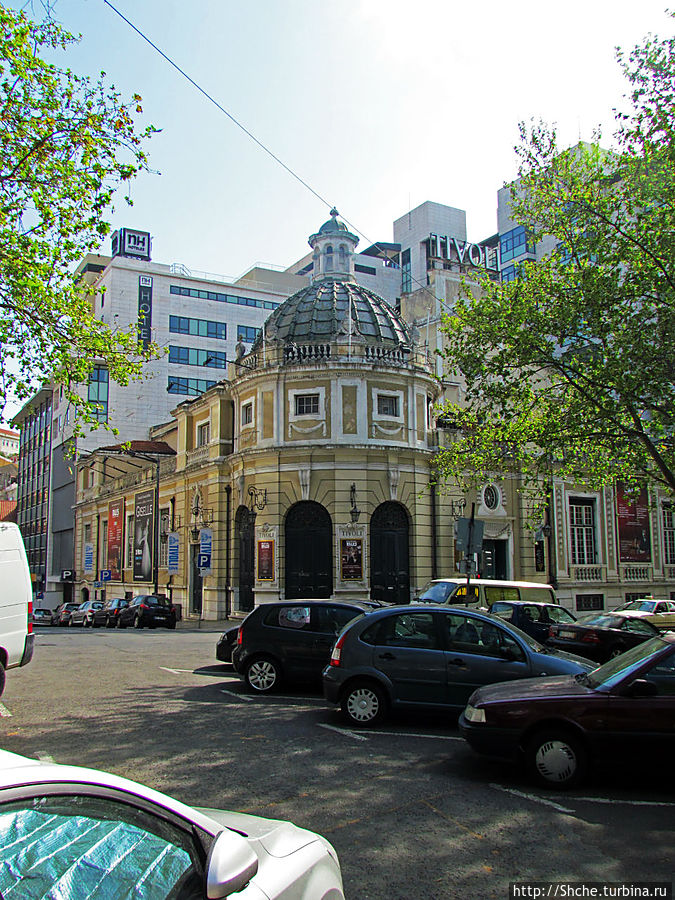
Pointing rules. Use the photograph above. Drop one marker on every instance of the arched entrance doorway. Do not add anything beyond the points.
(309, 552)
(390, 554)
(244, 529)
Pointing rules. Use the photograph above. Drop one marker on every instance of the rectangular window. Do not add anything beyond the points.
(247, 333)
(669, 536)
(220, 298)
(198, 327)
(97, 393)
(307, 405)
(406, 273)
(191, 356)
(590, 602)
(203, 434)
(582, 531)
(190, 386)
(247, 414)
(387, 405)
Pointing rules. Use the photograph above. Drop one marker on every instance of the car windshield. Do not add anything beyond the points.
(607, 675)
(640, 605)
(155, 601)
(602, 621)
(437, 591)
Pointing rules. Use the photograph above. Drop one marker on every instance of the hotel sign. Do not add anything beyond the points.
(440, 246)
(128, 242)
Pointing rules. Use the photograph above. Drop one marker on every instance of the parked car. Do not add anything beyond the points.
(109, 613)
(105, 834)
(42, 616)
(149, 610)
(623, 710)
(424, 659)
(601, 636)
(290, 641)
(661, 613)
(483, 592)
(226, 643)
(534, 619)
(61, 614)
(84, 613)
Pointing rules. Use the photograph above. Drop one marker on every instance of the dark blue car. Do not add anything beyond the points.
(432, 658)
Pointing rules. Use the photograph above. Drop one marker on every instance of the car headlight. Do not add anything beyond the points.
(474, 714)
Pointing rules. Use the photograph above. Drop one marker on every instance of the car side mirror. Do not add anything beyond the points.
(230, 866)
(641, 688)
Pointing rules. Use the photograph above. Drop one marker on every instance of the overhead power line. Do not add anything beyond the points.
(258, 142)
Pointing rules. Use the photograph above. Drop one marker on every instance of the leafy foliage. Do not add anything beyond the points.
(569, 368)
(66, 144)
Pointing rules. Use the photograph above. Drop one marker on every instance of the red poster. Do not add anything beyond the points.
(632, 513)
(115, 529)
(265, 560)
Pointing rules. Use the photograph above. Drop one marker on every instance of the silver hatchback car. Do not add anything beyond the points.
(79, 833)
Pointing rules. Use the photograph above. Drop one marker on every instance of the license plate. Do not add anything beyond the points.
(567, 634)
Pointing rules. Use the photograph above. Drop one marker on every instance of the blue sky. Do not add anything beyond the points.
(378, 104)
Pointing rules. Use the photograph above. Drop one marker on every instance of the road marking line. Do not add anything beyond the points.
(625, 802)
(534, 798)
(432, 737)
(177, 671)
(238, 696)
(345, 731)
(4, 711)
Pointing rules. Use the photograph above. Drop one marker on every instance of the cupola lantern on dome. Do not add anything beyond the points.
(333, 247)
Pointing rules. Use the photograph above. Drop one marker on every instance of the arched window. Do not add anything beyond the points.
(329, 258)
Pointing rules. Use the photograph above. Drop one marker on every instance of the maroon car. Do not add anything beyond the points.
(601, 636)
(621, 711)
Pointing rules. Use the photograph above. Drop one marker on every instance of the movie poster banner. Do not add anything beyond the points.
(632, 511)
(115, 529)
(143, 533)
(351, 559)
(266, 560)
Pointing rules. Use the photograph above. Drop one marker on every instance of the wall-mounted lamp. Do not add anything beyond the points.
(544, 531)
(354, 511)
(202, 519)
(257, 500)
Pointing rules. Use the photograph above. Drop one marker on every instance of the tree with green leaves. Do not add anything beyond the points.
(570, 367)
(66, 144)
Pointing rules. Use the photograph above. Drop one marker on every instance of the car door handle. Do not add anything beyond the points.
(459, 663)
(387, 655)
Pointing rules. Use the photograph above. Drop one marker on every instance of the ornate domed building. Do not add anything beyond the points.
(332, 436)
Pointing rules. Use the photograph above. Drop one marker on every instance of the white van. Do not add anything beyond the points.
(16, 602)
(484, 591)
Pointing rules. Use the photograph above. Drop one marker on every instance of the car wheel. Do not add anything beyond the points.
(556, 758)
(138, 622)
(87, 623)
(616, 650)
(70, 622)
(263, 675)
(364, 703)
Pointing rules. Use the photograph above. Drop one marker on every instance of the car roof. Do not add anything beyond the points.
(529, 603)
(492, 582)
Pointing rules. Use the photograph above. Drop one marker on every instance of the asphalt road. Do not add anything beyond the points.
(411, 811)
